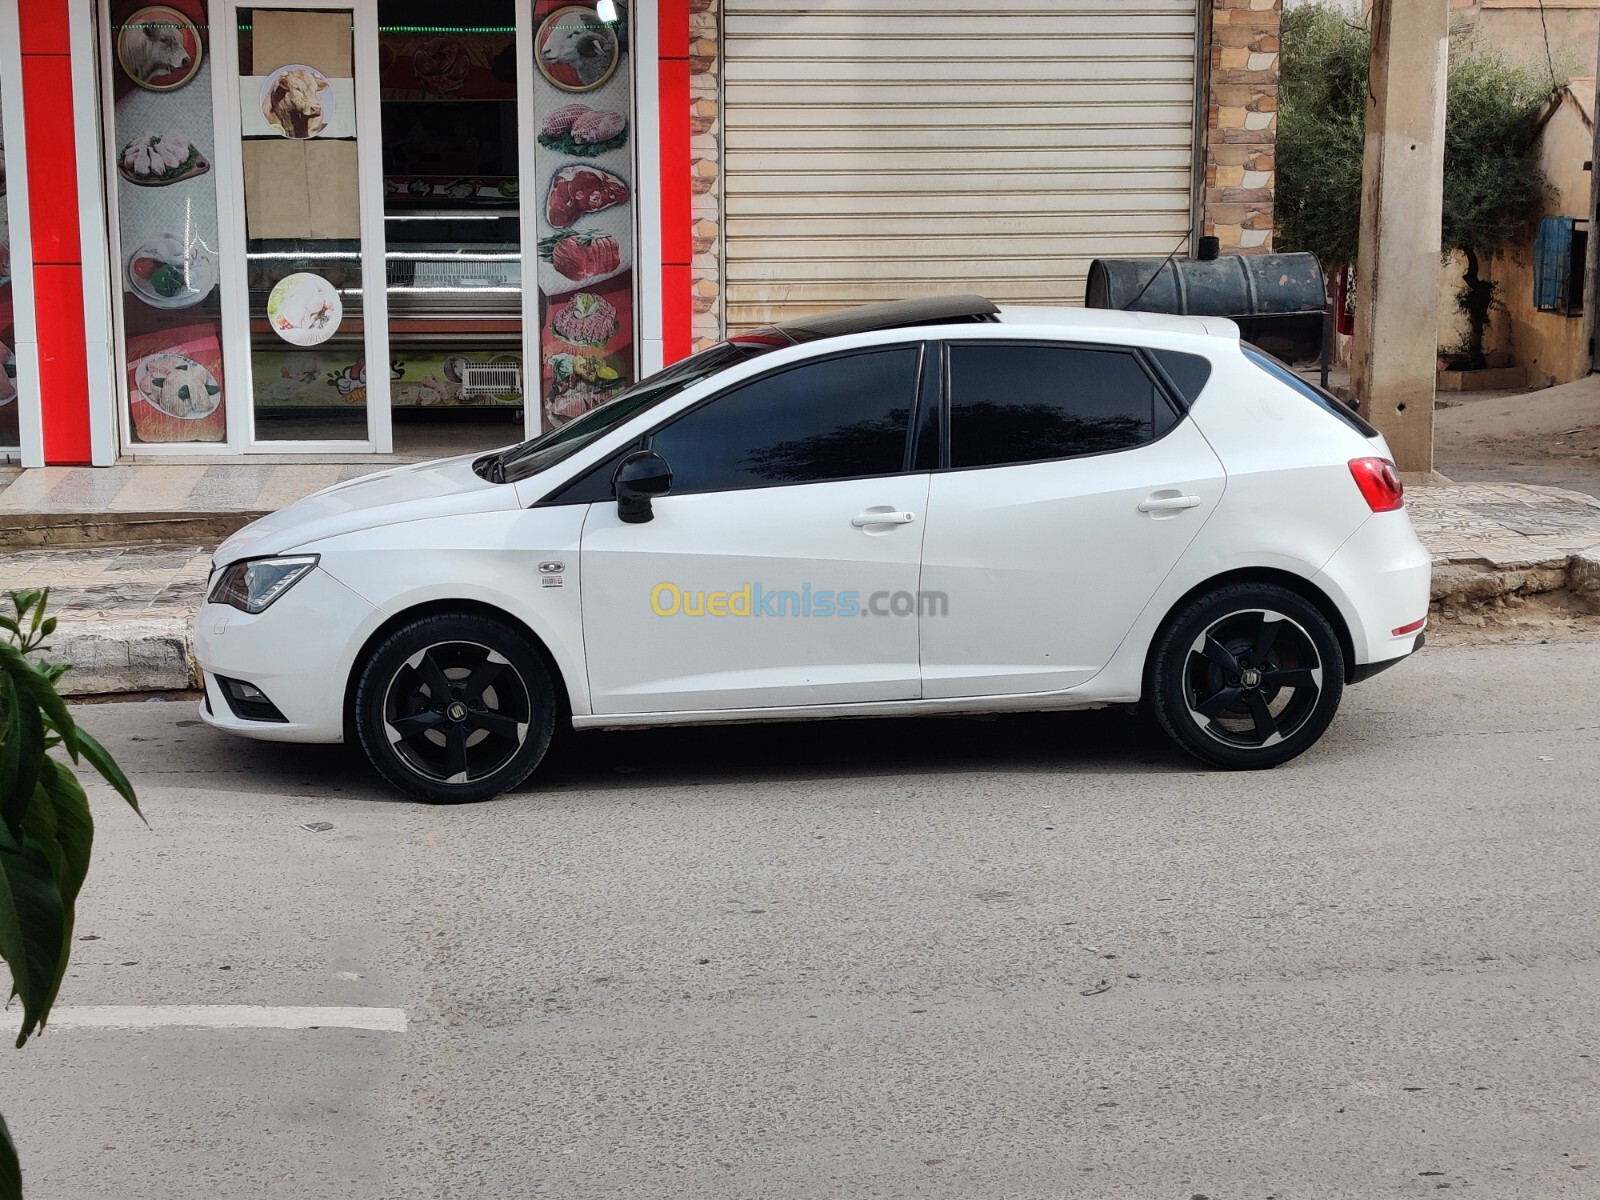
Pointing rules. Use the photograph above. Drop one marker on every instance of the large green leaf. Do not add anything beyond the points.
(69, 823)
(10, 1169)
(43, 692)
(101, 761)
(21, 750)
(29, 874)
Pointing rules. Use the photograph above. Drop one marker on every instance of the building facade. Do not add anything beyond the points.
(377, 226)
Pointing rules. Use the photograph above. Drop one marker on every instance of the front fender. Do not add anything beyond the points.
(503, 560)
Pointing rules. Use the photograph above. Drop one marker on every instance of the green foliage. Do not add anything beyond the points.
(1322, 117)
(46, 831)
(1494, 188)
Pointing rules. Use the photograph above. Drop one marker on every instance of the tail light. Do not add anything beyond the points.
(1379, 483)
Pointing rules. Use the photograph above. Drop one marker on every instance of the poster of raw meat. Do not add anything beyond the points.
(582, 182)
(166, 207)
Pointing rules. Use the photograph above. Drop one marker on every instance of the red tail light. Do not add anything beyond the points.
(1379, 483)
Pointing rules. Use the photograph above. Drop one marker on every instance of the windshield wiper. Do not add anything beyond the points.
(491, 467)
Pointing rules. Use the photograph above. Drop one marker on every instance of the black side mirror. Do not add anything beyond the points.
(641, 475)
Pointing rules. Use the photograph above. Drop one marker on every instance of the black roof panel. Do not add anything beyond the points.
(893, 314)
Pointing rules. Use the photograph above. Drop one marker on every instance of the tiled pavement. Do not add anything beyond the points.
(1504, 525)
(174, 488)
(113, 582)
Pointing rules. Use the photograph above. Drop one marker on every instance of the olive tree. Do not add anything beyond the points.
(1494, 187)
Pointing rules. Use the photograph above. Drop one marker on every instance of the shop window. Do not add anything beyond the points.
(302, 218)
(165, 199)
(10, 435)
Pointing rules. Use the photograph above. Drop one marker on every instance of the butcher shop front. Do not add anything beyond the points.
(383, 226)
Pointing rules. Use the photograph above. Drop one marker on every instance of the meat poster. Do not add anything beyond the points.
(175, 385)
(582, 182)
(166, 218)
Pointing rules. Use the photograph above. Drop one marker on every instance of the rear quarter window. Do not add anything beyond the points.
(1330, 404)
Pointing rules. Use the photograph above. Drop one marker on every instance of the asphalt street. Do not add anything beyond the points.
(1032, 957)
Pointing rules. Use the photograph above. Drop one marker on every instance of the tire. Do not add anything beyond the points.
(1246, 677)
(455, 708)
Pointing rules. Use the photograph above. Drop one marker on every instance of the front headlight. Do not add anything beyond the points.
(253, 585)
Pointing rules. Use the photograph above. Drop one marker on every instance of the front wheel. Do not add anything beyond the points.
(1246, 676)
(455, 707)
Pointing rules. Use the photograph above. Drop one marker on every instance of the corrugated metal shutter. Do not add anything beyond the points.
(882, 150)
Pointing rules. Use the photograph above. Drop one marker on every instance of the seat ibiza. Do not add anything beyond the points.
(935, 506)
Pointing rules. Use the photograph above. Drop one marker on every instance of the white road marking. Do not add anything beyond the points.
(225, 1016)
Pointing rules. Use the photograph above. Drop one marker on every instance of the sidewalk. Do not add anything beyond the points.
(125, 610)
(149, 502)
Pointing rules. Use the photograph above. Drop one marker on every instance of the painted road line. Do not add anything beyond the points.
(224, 1016)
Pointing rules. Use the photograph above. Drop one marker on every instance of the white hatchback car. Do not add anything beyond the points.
(934, 506)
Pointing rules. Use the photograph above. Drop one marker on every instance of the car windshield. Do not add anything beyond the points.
(550, 448)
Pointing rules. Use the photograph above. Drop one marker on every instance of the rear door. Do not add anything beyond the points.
(1073, 486)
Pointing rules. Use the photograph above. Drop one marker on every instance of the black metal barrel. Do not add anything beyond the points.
(1278, 300)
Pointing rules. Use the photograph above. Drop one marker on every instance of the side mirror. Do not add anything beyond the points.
(641, 475)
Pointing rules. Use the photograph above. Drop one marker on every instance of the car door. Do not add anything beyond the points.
(1072, 487)
(792, 515)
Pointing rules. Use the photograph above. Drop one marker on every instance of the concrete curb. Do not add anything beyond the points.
(1463, 585)
(156, 654)
(145, 654)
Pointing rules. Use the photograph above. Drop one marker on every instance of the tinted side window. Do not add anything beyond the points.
(1187, 372)
(594, 484)
(1020, 403)
(835, 419)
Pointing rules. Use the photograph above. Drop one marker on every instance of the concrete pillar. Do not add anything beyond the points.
(1402, 198)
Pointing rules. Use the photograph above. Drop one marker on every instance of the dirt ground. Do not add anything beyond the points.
(1549, 437)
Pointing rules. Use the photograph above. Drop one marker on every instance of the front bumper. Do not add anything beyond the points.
(298, 652)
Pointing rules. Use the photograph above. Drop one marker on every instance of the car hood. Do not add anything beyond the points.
(444, 487)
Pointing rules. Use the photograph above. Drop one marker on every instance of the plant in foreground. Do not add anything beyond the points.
(46, 831)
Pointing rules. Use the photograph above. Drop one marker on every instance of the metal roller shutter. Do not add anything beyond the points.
(881, 150)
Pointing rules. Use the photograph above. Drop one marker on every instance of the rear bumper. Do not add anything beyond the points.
(1361, 672)
(1381, 579)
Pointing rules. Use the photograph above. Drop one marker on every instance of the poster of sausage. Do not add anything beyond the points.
(582, 183)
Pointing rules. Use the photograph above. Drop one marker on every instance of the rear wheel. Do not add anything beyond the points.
(455, 708)
(1246, 676)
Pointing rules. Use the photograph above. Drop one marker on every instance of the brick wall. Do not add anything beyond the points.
(705, 166)
(1241, 122)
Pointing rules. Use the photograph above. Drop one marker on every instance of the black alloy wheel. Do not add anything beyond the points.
(455, 708)
(1247, 676)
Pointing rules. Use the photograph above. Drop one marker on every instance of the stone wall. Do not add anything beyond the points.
(705, 168)
(1241, 123)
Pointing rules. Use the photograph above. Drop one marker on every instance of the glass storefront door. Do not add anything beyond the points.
(402, 225)
(313, 299)
(452, 223)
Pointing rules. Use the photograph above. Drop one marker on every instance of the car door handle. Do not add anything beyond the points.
(882, 518)
(1167, 503)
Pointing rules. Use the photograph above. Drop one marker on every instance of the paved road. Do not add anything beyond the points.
(849, 960)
